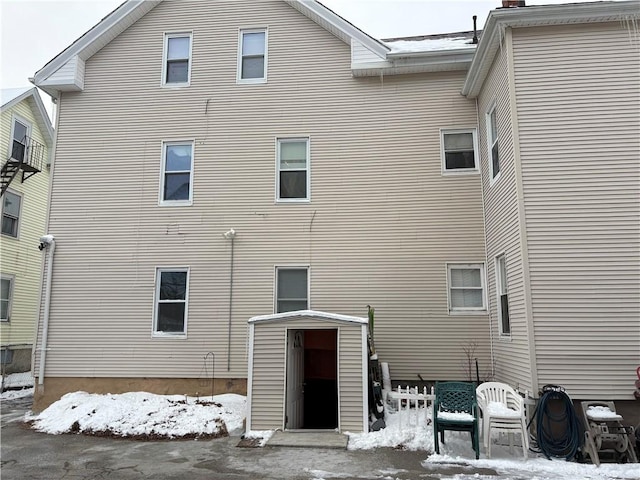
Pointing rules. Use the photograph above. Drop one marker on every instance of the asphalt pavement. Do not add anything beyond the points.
(27, 454)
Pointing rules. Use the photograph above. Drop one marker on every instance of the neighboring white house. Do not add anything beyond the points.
(217, 162)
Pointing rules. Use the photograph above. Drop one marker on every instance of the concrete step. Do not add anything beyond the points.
(309, 440)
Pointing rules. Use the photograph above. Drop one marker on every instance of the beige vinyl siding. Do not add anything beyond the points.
(579, 105)
(511, 352)
(269, 370)
(20, 256)
(381, 225)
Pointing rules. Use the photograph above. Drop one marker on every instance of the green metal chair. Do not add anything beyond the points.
(455, 408)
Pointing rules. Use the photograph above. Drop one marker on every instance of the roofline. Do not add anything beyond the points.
(309, 313)
(91, 36)
(348, 30)
(48, 134)
(545, 15)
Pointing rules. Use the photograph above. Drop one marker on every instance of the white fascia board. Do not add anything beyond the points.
(120, 19)
(545, 15)
(338, 25)
(309, 314)
(442, 61)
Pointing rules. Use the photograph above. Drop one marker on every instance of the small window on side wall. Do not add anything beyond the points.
(11, 214)
(6, 293)
(492, 141)
(466, 288)
(503, 296)
(459, 151)
(292, 287)
(292, 183)
(176, 69)
(177, 173)
(252, 56)
(171, 301)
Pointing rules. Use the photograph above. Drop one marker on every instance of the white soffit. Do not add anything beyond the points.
(535, 16)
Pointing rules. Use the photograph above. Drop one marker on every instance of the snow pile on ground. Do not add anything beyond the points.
(260, 436)
(143, 415)
(17, 385)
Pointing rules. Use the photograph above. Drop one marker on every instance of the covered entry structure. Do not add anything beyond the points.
(307, 370)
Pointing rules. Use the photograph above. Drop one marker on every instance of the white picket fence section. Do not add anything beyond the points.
(414, 406)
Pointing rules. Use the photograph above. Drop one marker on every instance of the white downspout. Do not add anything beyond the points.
(46, 241)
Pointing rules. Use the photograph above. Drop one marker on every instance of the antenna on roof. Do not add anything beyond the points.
(475, 30)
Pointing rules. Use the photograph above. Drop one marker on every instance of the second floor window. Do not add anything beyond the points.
(492, 140)
(458, 151)
(252, 56)
(10, 214)
(177, 173)
(293, 170)
(177, 59)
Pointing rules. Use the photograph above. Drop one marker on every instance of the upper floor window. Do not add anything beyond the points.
(6, 292)
(177, 173)
(10, 213)
(252, 56)
(293, 170)
(492, 141)
(503, 297)
(458, 149)
(466, 288)
(20, 132)
(172, 293)
(292, 289)
(176, 70)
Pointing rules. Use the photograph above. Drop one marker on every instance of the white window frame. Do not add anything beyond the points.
(176, 203)
(11, 279)
(262, 79)
(483, 283)
(275, 283)
(476, 157)
(156, 301)
(502, 284)
(17, 118)
(21, 196)
(491, 142)
(165, 51)
(279, 141)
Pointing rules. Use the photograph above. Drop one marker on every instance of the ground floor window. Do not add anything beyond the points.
(171, 300)
(6, 292)
(292, 289)
(503, 297)
(466, 288)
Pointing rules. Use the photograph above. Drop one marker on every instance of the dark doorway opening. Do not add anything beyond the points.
(321, 379)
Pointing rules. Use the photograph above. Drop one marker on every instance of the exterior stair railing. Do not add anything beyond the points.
(27, 156)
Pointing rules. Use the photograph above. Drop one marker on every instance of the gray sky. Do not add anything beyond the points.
(33, 32)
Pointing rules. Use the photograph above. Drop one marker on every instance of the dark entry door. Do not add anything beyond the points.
(321, 379)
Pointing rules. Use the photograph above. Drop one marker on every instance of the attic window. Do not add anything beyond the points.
(177, 59)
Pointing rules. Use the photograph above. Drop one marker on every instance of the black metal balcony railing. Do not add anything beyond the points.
(28, 156)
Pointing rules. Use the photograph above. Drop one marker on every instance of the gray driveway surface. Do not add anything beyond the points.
(27, 454)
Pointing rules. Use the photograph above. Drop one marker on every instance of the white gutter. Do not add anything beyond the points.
(46, 241)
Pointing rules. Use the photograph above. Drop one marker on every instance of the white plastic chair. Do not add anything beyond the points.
(502, 411)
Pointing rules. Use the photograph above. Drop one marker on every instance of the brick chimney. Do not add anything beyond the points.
(513, 3)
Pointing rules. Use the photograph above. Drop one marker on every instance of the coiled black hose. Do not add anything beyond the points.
(559, 430)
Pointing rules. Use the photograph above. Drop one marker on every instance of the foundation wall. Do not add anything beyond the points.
(54, 388)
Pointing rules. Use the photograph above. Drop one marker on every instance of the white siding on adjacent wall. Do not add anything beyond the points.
(579, 116)
(380, 228)
(502, 224)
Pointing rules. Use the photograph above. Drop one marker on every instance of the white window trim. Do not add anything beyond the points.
(275, 283)
(156, 301)
(280, 140)
(165, 50)
(491, 142)
(263, 79)
(467, 310)
(476, 156)
(18, 194)
(176, 203)
(18, 118)
(12, 280)
(499, 286)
